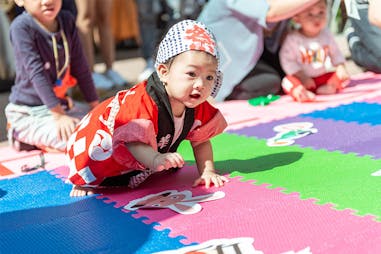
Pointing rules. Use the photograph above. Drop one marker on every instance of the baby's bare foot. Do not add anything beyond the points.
(301, 94)
(79, 191)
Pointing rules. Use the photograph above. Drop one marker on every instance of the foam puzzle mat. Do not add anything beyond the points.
(303, 178)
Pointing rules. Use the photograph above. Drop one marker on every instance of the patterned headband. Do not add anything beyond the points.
(189, 35)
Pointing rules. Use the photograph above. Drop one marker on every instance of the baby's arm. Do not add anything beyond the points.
(203, 154)
(154, 160)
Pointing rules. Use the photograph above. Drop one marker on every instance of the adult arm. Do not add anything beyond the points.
(284, 9)
(374, 12)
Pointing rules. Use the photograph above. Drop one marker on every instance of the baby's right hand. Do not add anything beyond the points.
(65, 125)
(164, 161)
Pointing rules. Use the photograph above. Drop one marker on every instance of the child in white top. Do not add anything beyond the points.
(311, 58)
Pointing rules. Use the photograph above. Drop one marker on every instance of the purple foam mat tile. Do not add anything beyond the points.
(362, 139)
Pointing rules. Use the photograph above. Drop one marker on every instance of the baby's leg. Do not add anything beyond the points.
(78, 191)
(301, 94)
(291, 85)
(326, 89)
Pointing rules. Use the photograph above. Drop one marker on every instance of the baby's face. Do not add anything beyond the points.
(313, 19)
(190, 78)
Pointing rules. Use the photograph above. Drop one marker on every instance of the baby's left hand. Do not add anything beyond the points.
(342, 72)
(209, 177)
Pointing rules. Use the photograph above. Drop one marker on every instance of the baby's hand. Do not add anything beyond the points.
(209, 177)
(342, 72)
(164, 161)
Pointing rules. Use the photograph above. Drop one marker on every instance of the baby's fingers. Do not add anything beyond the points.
(197, 182)
(175, 160)
(219, 181)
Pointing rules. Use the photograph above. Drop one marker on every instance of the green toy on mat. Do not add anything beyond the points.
(263, 100)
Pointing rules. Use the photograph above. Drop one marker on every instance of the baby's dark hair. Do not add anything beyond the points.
(154, 56)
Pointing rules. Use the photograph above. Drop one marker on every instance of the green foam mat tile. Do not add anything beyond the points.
(344, 180)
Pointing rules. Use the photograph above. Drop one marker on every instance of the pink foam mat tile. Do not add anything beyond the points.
(374, 100)
(241, 114)
(277, 221)
(14, 160)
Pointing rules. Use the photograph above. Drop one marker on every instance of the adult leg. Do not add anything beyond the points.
(106, 40)
(364, 42)
(103, 12)
(148, 13)
(85, 25)
(261, 81)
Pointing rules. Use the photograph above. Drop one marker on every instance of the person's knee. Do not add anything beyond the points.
(266, 83)
(365, 58)
(85, 20)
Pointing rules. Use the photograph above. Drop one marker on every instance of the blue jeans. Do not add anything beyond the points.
(364, 43)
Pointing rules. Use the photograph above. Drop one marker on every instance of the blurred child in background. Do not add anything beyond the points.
(311, 58)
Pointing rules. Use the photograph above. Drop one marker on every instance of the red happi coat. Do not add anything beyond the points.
(97, 149)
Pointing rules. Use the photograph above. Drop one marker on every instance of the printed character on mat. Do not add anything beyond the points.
(136, 133)
(311, 58)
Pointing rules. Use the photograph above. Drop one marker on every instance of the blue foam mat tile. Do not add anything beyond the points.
(55, 223)
(360, 112)
(33, 191)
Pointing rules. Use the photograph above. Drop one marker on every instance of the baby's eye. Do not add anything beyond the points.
(192, 74)
(210, 78)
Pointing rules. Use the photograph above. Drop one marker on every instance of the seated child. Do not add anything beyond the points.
(136, 133)
(311, 58)
(49, 60)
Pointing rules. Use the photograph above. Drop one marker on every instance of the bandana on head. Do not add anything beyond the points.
(189, 35)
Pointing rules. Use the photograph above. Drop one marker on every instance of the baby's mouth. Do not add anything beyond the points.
(195, 96)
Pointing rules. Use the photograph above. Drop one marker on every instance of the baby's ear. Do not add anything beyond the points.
(162, 70)
(19, 3)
